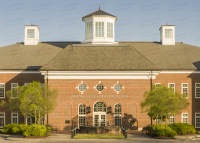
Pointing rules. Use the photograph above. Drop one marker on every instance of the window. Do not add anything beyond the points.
(14, 118)
(100, 107)
(2, 90)
(29, 120)
(197, 120)
(30, 33)
(184, 117)
(26, 84)
(172, 119)
(171, 85)
(99, 87)
(157, 85)
(197, 90)
(82, 115)
(117, 115)
(117, 87)
(109, 30)
(168, 33)
(99, 29)
(89, 30)
(185, 89)
(82, 87)
(14, 92)
(2, 120)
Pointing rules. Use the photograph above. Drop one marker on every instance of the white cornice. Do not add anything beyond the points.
(18, 71)
(180, 71)
(99, 74)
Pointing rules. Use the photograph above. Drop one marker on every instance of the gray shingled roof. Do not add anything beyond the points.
(98, 12)
(99, 58)
(178, 56)
(31, 57)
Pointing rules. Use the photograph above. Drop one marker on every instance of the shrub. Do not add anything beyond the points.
(182, 128)
(25, 129)
(162, 132)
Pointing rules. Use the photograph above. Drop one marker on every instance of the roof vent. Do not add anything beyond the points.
(31, 34)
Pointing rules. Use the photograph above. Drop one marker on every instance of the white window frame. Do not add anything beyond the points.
(3, 118)
(172, 87)
(196, 90)
(167, 34)
(29, 34)
(185, 87)
(195, 119)
(89, 30)
(157, 84)
(27, 120)
(3, 89)
(120, 115)
(26, 84)
(171, 117)
(14, 117)
(109, 29)
(187, 118)
(13, 88)
(99, 31)
(81, 115)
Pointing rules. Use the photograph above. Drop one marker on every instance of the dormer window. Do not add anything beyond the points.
(30, 33)
(89, 30)
(109, 30)
(99, 29)
(168, 33)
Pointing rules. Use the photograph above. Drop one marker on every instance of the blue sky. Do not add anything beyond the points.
(61, 20)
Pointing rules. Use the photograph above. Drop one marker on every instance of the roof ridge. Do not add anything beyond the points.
(143, 56)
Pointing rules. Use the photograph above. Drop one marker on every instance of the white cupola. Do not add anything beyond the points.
(31, 35)
(99, 28)
(167, 34)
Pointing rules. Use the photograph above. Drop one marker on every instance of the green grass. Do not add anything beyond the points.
(101, 136)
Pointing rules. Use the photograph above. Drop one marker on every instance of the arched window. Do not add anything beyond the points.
(82, 115)
(100, 107)
(118, 115)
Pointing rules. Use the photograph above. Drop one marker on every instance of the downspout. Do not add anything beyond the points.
(47, 98)
(151, 90)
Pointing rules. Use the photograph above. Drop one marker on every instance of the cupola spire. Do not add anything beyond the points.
(99, 7)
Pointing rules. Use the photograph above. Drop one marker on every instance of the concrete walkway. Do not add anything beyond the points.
(62, 138)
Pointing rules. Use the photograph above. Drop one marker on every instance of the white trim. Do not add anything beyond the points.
(18, 71)
(195, 119)
(13, 88)
(3, 117)
(4, 90)
(27, 120)
(179, 71)
(182, 118)
(13, 117)
(82, 114)
(185, 87)
(195, 90)
(100, 113)
(100, 74)
(170, 118)
(172, 87)
(118, 114)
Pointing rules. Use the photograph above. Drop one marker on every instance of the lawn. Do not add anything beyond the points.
(101, 136)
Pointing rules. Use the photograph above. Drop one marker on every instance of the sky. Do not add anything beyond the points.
(137, 20)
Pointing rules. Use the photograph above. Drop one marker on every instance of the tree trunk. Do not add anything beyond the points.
(35, 120)
(26, 120)
(39, 117)
(166, 122)
(156, 119)
(161, 120)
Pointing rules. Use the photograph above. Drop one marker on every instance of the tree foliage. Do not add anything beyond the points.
(163, 102)
(32, 100)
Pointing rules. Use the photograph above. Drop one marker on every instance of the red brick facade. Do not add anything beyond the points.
(129, 97)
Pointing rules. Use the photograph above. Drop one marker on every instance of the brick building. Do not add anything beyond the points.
(100, 79)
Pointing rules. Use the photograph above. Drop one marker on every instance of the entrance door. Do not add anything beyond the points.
(99, 114)
(100, 119)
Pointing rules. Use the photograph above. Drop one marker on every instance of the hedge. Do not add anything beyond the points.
(162, 132)
(182, 128)
(25, 129)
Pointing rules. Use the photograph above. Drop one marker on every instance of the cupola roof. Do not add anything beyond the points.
(98, 12)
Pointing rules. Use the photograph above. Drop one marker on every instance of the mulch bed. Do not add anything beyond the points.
(35, 137)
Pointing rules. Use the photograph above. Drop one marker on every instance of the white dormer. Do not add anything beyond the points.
(31, 35)
(99, 28)
(167, 34)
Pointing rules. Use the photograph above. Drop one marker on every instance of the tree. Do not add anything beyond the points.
(33, 99)
(162, 101)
